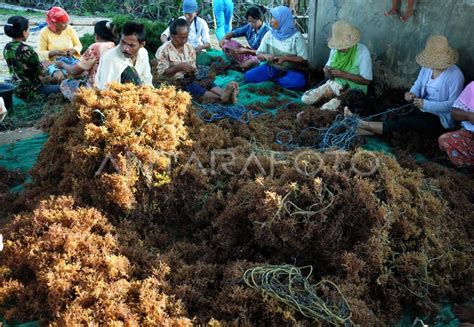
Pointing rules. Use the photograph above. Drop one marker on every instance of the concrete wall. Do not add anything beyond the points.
(394, 44)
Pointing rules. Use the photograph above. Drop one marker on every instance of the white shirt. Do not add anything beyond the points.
(292, 46)
(198, 32)
(113, 63)
(365, 61)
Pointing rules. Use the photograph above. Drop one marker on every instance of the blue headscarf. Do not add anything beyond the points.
(189, 6)
(286, 23)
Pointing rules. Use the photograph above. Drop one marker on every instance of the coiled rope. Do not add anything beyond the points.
(286, 283)
(339, 136)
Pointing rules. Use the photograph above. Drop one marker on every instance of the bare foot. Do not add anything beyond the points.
(363, 132)
(391, 12)
(407, 15)
(299, 116)
(58, 75)
(347, 112)
(465, 312)
(362, 126)
(225, 97)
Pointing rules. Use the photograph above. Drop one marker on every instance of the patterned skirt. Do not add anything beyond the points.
(459, 146)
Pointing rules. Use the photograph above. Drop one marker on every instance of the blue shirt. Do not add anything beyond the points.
(253, 37)
(439, 94)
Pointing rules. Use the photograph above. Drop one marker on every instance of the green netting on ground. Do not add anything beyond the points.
(378, 145)
(205, 58)
(445, 318)
(249, 94)
(23, 114)
(26, 324)
(22, 156)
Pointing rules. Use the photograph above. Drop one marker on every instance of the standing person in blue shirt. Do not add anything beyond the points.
(254, 31)
(438, 85)
(223, 10)
(284, 51)
(198, 29)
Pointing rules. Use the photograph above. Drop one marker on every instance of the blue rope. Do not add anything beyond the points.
(393, 110)
(285, 138)
(202, 72)
(219, 111)
(340, 135)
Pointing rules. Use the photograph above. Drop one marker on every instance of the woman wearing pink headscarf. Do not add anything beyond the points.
(58, 41)
(459, 145)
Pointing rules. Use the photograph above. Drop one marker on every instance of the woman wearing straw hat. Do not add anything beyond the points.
(285, 53)
(349, 64)
(438, 85)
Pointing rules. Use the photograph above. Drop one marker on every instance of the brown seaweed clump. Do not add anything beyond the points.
(62, 265)
(392, 235)
(113, 144)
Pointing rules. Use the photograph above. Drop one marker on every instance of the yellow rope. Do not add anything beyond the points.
(286, 284)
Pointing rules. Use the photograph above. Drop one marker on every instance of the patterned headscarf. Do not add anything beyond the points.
(56, 15)
(286, 23)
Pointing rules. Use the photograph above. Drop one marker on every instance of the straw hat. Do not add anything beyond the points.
(344, 35)
(437, 53)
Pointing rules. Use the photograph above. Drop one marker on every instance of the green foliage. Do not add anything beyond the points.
(153, 30)
(86, 41)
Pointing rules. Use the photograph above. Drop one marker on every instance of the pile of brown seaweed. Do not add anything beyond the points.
(112, 248)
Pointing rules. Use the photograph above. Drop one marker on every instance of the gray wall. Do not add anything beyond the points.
(394, 44)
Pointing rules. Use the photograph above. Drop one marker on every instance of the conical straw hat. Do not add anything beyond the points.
(344, 35)
(437, 54)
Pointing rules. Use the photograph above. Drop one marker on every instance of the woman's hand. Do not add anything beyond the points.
(186, 68)
(59, 64)
(57, 53)
(409, 96)
(338, 73)
(418, 103)
(280, 60)
(240, 50)
(327, 72)
(266, 56)
(71, 52)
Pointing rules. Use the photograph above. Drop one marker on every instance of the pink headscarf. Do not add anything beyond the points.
(466, 99)
(56, 15)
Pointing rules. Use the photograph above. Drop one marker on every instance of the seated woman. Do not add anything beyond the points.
(349, 64)
(284, 51)
(23, 62)
(254, 32)
(459, 145)
(105, 39)
(58, 41)
(198, 29)
(438, 85)
(177, 60)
